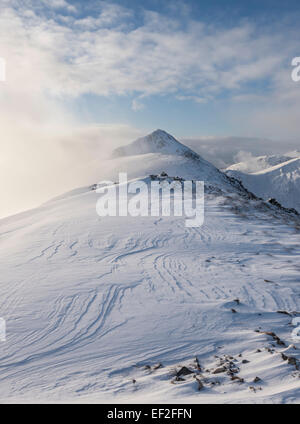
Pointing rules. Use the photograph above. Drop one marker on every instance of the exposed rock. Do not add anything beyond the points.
(198, 366)
(237, 379)
(200, 384)
(177, 379)
(157, 366)
(219, 370)
(254, 389)
(275, 337)
(184, 371)
(292, 361)
(284, 312)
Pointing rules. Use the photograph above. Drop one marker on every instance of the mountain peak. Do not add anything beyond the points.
(159, 141)
(160, 132)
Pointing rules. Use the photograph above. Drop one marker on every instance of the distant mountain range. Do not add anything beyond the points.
(275, 176)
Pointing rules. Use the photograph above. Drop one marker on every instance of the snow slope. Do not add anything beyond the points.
(158, 141)
(94, 305)
(260, 163)
(275, 176)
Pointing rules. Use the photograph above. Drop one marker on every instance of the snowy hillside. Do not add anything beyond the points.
(158, 141)
(111, 309)
(260, 163)
(271, 177)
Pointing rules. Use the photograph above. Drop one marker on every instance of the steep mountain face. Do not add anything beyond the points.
(271, 177)
(158, 141)
(109, 309)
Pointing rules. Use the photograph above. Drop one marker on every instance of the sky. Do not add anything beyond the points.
(85, 76)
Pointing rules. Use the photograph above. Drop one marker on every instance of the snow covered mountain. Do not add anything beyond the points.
(159, 152)
(144, 309)
(271, 177)
(158, 141)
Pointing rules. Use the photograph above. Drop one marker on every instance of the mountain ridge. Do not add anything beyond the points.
(276, 177)
(158, 141)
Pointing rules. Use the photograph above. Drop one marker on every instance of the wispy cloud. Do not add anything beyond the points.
(109, 53)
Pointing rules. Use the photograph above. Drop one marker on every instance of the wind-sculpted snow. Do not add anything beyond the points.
(104, 309)
(88, 299)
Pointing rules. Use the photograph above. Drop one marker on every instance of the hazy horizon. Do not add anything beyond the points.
(83, 77)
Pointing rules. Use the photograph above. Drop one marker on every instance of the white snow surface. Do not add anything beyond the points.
(271, 177)
(260, 163)
(158, 141)
(92, 302)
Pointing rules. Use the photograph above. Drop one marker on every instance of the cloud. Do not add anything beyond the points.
(137, 105)
(56, 52)
(243, 156)
(40, 160)
(59, 4)
(108, 52)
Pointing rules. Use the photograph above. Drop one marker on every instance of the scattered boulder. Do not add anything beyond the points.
(200, 384)
(219, 370)
(237, 379)
(254, 389)
(184, 371)
(292, 361)
(177, 379)
(274, 336)
(284, 312)
(157, 366)
(198, 366)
